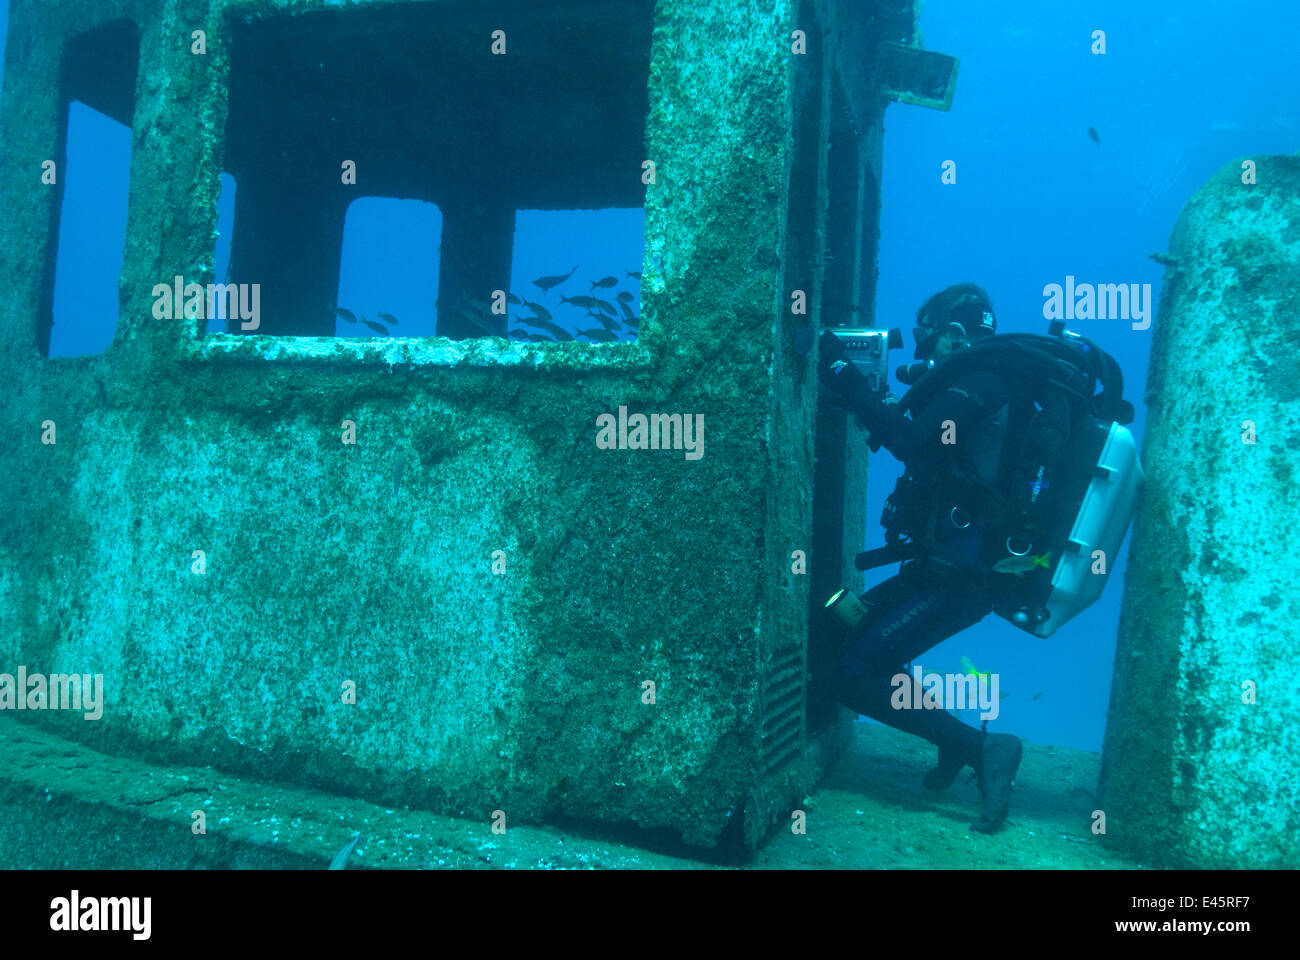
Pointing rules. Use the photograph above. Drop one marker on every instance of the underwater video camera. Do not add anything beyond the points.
(867, 351)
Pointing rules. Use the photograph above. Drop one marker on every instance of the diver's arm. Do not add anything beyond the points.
(887, 426)
(918, 439)
(879, 413)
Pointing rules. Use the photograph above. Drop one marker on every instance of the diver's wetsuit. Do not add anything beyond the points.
(929, 600)
(932, 598)
(911, 612)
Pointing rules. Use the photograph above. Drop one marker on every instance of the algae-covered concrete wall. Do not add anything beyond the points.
(1200, 762)
(499, 590)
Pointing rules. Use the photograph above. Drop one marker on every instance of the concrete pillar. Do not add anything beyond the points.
(1200, 762)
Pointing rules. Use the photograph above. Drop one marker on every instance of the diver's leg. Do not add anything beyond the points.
(959, 744)
(994, 757)
(911, 613)
(937, 602)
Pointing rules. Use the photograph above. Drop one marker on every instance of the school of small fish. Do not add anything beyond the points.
(478, 312)
(540, 325)
(347, 316)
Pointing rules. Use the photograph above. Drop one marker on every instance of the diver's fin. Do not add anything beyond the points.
(997, 775)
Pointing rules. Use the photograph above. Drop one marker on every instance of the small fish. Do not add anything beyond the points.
(340, 861)
(633, 273)
(626, 296)
(1096, 137)
(547, 282)
(968, 667)
(377, 327)
(478, 313)
(513, 299)
(1016, 565)
(604, 321)
(540, 310)
(479, 305)
(480, 321)
(1019, 565)
(605, 305)
(1037, 695)
(588, 302)
(630, 317)
(530, 337)
(601, 334)
(347, 316)
(556, 331)
(388, 318)
(605, 282)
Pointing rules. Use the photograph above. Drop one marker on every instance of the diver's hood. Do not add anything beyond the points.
(972, 312)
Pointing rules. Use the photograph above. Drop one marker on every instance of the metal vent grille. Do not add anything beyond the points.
(784, 691)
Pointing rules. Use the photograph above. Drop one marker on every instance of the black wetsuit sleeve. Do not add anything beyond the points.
(917, 440)
(889, 428)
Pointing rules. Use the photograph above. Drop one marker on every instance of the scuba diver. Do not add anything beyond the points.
(1017, 477)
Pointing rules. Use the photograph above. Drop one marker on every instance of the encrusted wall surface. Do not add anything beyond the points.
(328, 562)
